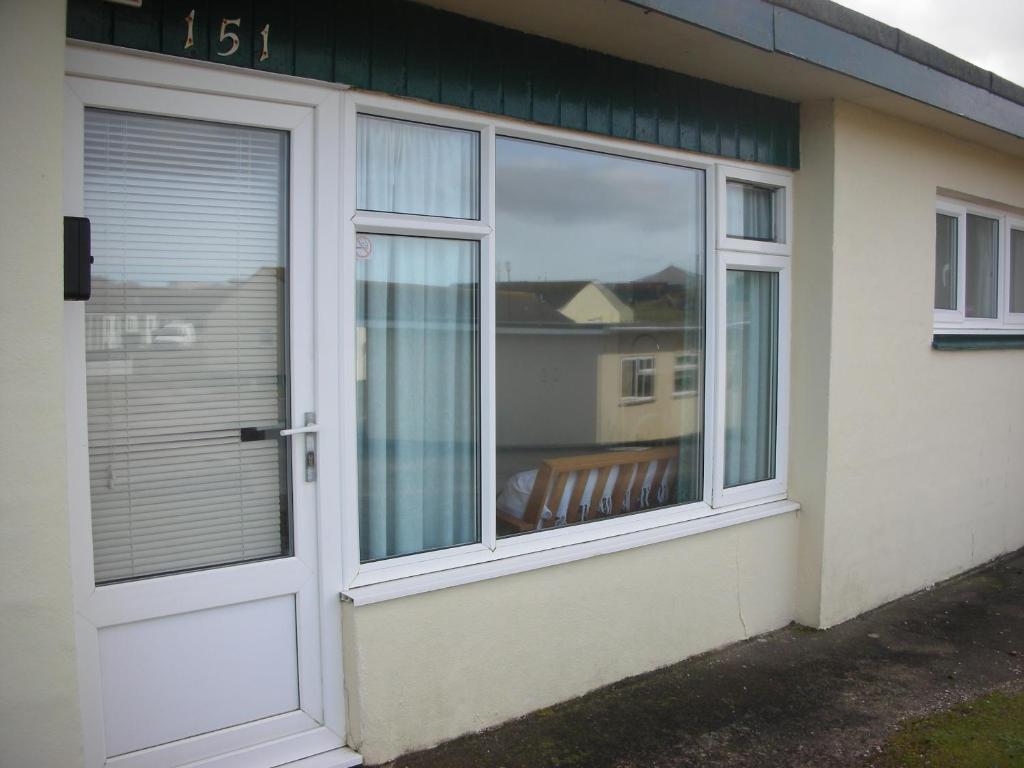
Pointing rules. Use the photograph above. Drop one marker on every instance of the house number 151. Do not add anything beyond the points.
(227, 32)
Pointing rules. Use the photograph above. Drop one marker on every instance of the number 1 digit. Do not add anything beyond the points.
(265, 34)
(189, 20)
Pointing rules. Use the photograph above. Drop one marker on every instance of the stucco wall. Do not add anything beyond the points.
(924, 447)
(427, 668)
(811, 345)
(39, 721)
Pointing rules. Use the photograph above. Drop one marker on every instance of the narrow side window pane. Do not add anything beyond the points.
(1017, 270)
(751, 378)
(600, 286)
(982, 266)
(417, 341)
(750, 211)
(946, 238)
(405, 167)
(186, 343)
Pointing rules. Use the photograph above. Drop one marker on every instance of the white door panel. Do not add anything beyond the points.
(242, 658)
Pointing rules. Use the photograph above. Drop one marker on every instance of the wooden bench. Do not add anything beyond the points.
(626, 494)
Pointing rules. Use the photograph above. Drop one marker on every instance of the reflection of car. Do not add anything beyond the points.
(176, 332)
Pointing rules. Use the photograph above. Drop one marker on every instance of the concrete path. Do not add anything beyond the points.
(795, 697)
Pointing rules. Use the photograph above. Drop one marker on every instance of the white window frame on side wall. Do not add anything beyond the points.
(955, 321)
(385, 579)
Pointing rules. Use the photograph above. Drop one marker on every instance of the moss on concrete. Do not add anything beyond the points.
(986, 732)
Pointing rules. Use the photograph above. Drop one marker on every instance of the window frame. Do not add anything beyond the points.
(782, 183)
(649, 372)
(955, 321)
(678, 367)
(491, 556)
(775, 487)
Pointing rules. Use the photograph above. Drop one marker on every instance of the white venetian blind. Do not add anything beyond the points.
(185, 343)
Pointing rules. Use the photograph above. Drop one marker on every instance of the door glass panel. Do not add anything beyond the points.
(186, 343)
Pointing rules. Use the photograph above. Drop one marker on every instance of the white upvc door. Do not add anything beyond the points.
(205, 574)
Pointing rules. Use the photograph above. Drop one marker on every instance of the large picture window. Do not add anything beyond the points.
(549, 333)
(603, 262)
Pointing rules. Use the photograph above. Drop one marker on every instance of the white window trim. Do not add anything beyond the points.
(647, 372)
(395, 577)
(783, 184)
(955, 322)
(491, 557)
(678, 367)
(776, 486)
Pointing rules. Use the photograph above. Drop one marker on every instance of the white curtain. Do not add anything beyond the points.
(750, 211)
(405, 167)
(417, 309)
(982, 266)
(751, 375)
(945, 261)
(1017, 270)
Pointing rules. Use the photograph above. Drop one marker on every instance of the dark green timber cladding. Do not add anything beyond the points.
(406, 49)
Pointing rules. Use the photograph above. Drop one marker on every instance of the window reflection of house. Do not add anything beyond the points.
(598, 360)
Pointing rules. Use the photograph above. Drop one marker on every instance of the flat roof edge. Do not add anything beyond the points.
(832, 36)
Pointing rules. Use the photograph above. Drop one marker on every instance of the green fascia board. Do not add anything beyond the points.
(403, 48)
(951, 341)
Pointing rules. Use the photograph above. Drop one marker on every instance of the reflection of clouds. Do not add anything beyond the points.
(564, 186)
(568, 214)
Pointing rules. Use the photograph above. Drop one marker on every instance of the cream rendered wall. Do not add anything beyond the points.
(39, 720)
(924, 472)
(426, 668)
(811, 345)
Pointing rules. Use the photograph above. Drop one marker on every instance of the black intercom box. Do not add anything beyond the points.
(77, 259)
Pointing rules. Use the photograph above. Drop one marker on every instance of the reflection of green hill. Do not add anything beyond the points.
(661, 310)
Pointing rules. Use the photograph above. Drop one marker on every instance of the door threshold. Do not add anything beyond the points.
(336, 758)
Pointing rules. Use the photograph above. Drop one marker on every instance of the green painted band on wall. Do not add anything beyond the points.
(977, 341)
(406, 49)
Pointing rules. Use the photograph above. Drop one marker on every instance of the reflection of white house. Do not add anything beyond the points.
(893, 425)
(596, 303)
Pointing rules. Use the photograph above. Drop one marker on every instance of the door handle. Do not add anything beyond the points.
(300, 430)
(309, 429)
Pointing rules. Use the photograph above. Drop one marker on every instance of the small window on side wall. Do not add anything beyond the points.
(754, 211)
(979, 270)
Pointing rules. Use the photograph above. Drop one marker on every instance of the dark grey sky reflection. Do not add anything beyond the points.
(570, 214)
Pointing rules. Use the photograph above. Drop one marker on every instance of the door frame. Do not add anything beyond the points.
(104, 77)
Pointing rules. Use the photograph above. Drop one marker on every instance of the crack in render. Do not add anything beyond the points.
(739, 601)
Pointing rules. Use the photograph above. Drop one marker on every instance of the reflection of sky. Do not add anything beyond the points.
(569, 214)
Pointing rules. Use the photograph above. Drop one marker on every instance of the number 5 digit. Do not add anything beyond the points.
(225, 35)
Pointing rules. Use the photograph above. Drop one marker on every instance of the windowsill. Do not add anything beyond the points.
(468, 574)
(635, 400)
(977, 340)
